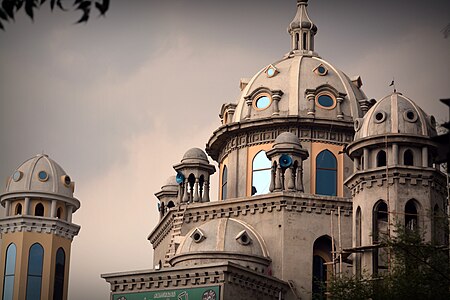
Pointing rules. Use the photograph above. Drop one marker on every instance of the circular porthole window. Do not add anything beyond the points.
(271, 72)
(380, 116)
(262, 102)
(357, 124)
(325, 100)
(410, 116)
(43, 176)
(17, 176)
(66, 180)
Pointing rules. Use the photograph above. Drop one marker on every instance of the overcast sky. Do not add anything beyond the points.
(117, 102)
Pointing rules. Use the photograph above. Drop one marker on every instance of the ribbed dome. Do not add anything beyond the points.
(294, 77)
(40, 174)
(395, 114)
(287, 138)
(195, 154)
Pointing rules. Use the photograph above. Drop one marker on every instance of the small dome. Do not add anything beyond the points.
(171, 184)
(302, 20)
(395, 114)
(195, 154)
(40, 176)
(221, 238)
(287, 138)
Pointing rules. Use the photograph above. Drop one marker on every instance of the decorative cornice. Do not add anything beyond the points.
(403, 175)
(40, 225)
(263, 131)
(268, 203)
(37, 194)
(204, 275)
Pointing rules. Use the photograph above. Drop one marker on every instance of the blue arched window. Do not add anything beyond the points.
(34, 278)
(224, 182)
(10, 268)
(58, 289)
(261, 168)
(326, 174)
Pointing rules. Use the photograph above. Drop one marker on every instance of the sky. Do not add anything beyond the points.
(119, 100)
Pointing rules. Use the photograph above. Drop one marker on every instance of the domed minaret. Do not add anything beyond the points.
(37, 231)
(394, 181)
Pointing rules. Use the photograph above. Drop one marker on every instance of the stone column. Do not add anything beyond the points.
(276, 99)
(425, 157)
(299, 178)
(53, 209)
(366, 159)
(26, 209)
(206, 191)
(230, 115)
(7, 208)
(395, 154)
(196, 195)
(278, 179)
(311, 104)
(69, 213)
(249, 108)
(186, 194)
(355, 164)
(289, 178)
(273, 171)
(340, 115)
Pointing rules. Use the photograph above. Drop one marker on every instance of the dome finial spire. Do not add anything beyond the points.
(302, 30)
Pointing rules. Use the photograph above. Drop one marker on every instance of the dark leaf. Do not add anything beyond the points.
(3, 15)
(42, 2)
(1, 26)
(84, 5)
(102, 7)
(19, 4)
(8, 7)
(61, 7)
(52, 4)
(85, 16)
(29, 7)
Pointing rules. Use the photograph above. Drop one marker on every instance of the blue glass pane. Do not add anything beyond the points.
(35, 260)
(271, 72)
(10, 260)
(8, 288)
(326, 160)
(326, 182)
(325, 101)
(225, 175)
(34, 288)
(261, 161)
(263, 102)
(261, 181)
(42, 175)
(321, 70)
(59, 275)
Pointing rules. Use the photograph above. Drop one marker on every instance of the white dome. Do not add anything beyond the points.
(194, 155)
(43, 177)
(395, 114)
(296, 76)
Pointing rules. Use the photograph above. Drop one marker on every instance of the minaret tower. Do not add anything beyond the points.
(37, 231)
(394, 182)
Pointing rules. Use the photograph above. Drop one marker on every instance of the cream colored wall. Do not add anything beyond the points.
(23, 241)
(316, 148)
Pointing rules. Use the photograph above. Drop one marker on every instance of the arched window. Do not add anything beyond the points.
(326, 174)
(18, 209)
(381, 158)
(358, 234)
(58, 289)
(408, 158)
(261, 168)
(39, 210)
(380, 230)
(321, 255)
(59, 213)
(411, 215)
(34, 277)
(170, 204)
(10, 270)
(224, 182)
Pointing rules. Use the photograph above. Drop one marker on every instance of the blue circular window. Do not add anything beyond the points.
(17, 176)
(271, 72)
(325, 101)
(263, 102)
(43, 176)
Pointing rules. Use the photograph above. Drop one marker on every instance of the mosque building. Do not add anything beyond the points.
(312, 173)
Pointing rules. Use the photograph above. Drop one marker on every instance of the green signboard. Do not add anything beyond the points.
(203, 293)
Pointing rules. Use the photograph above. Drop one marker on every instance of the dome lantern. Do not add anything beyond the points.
(302, 30)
